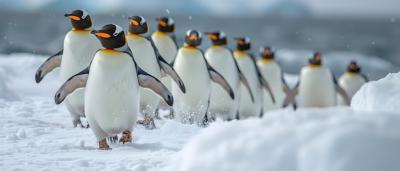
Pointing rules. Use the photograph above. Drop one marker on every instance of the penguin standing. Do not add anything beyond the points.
(165, 41)
(112, 83)
(147, 57)
(248, 66)
(196, 73)
(221, 59)
(317, 86)
(272, 72)
(351, 81)
(79, 49)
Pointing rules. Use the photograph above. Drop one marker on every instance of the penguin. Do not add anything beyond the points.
(165, 41)
(221, 59)
(196, 74)
(351, 81)
(247, 64)
(272, 72)
(317, 86)
(112, 83)
(148, 58)
(79, 49)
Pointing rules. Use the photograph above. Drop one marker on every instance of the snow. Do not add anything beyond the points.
(36, 134)
(382, 95)
(305, 140)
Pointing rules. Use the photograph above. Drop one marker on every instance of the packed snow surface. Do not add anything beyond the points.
(36, 134)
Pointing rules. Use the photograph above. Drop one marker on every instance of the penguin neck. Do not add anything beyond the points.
(133, 35)
(240, 53)
(189, 47)
(266, 60)
(314, 65)
(161, 33)
(81, 30)
(217, 46)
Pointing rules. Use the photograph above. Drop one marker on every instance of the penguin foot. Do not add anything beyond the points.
(126, 137)
(77, 122)
(113, 139)
(103, 145)
(147, 122)
(171, 114)
(157, 114)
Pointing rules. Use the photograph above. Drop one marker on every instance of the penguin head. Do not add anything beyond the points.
(111, 36)
(137, 25)
(166, 24)
(80, 19)
(353, 67)
(316, 59)
(217, 38)
(267, 53)
(193, 38)
(243, 43)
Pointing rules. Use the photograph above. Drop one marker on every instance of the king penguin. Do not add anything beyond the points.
(196, 74)
(165, 41)
(112, 83)
(317, 86)
(79, 49)
(272, 72)
(247, 64)
(221, 59)
(148, 58)
(351, 81)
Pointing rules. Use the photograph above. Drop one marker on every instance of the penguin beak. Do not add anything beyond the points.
(100, 34)
(212, 36)
(162, 23)
(72, 17)
(134, 22)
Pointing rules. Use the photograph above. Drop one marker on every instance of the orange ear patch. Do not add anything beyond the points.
(240, 42)
(162, 23)
(103, 35)
(134, 23)
(213, 37)
(76, 18)
(192, 37)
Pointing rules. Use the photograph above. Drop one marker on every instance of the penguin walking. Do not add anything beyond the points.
(272, 72)
(112, 83)
(317, 86)
(221, 59)
(247, 64)
(351, 81)
(148, 58)
(79, 49)
(196, 74)
(165, 41)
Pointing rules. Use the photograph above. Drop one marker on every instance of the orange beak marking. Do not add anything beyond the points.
(103, 35)
(162, 23)
(134, 23)
(76, 18)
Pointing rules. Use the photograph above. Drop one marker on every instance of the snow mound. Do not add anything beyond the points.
(306, 140)
(381, 95)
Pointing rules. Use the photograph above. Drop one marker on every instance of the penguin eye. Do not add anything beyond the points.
(115, 34)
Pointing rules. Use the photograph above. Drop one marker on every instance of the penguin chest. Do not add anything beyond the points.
(222, 61)
(79, 50)
(248, 69)
(191, 67)
(165, 45)
(351, 83)
(145, 58)
(272, 73)
(316, 88)
(111, 97)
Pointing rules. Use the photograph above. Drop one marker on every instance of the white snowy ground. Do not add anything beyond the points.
(35, 134)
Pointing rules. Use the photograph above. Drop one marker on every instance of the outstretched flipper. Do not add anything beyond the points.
(77, 81)
(219, 79)
(52, 62)
(290, 95)
(148, 81)
(166, 68)
(343, 93)
(264, 83)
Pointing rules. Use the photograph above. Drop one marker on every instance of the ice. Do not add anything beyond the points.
(379, 96)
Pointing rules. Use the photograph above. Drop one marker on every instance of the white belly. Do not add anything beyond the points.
(316, 88)
(165, 45)
(351, 83)
(111, 102)
(191, 107)
(247, 108)
(146, 59)
(79, 50)
(221, 105)
(272, 73)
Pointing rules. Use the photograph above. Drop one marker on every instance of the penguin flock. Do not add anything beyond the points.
(110, 77)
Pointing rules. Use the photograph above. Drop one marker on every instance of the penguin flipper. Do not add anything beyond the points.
(166, 67)
(77, 81)
(242, 78)
(343, 93)
(365, 77)
(219, 79)
(264, 83)
(148, 81)
(290, 95)
(52, 62)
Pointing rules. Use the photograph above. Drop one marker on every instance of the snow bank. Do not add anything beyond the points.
(381, 95)
(306, 140)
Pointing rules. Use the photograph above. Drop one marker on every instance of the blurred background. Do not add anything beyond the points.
(364, 30)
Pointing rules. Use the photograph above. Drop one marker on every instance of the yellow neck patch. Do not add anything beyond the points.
(350, 73)
(109, 51)
(80, 31)
(160, 33)
(217, 46)
(135, 36)
(314, 66)
(266, 60)
(240, 53)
